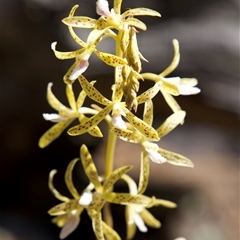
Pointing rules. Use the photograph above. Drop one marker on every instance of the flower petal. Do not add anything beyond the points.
(149, 94)
(175, 61)
(54, 117)
(127, 135)
(141, 126)
(80, 67)
(172, 103)
(117, 6)
(189, 81)
(69, 227)
(188, 90)
(53, 101)
(148, 112)
(131, 227)
(175, 158)
(64, 55)
(79, 22)
(164, 203)
(71, 97)
(102, 8)
(140, 12)
(126, 198)
(149, 219)
(109, 232)
(136, 23)
(170, 123)
(89, 167)
(155, 156)
(54, 191)
(97, 225)
(90, 123)
(118, 122)
(114, 177)
(139, 222)
(72, 33)
(92, 92)
(63, 208)
(53, 133)
(110, 59)
(144, 173)
(68, 179)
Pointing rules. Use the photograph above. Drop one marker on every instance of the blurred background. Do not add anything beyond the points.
(207, 196)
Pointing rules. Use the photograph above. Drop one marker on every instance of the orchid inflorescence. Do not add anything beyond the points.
(122, 123)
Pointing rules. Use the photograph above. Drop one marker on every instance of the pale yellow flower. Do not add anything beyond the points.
(82, 55)
(93, 197)
(65, 115)
(175, 85)
(118, 109)
(151, 150)
(139, 216)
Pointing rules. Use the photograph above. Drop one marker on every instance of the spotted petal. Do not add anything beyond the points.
(65, 55)
(117, 6)
(110, 59)
(144, 173)
(175, 158)
(141, 126)
(97, 225)
(136, 23)
(114, 177)
(148, 112)
(149, 94)
(92, 92)
(53, 133)
(80, 22)
(109, 232)
(126, 198)
(68, 179)
(172, 103)
(170, 123)
(127, 135)
(71, 97)
(140, 12)
(90, 123)
(63, 208)
(89, 167)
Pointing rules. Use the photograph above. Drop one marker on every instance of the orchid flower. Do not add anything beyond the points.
(65, 115)
(175, 85)
(139, 216)
(151, 150)
(82, 55)
(118, 109)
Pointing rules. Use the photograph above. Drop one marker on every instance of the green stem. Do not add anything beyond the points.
(110, 149)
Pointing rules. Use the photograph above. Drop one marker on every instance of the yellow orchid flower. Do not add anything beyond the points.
(111, 19)
(68, 213)
(151, 150)
(175, 85)
(65, 115)
(139, 216)
(118, 109)
(82, 55)
(93, 197)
